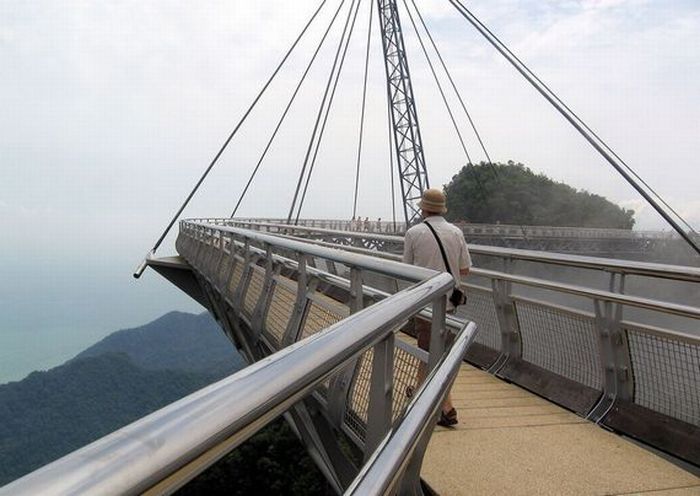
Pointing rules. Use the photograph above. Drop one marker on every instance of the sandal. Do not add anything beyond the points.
(448, 419)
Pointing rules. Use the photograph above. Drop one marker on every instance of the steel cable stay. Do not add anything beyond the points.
(139, 270)
(287, 109)
(629, 168)
(470, 165)
(320, 114)
(596, 142)
(454, 86)
(439, 85)
(328, 110)
(362, 112)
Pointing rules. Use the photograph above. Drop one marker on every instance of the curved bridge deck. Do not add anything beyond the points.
(511, 442)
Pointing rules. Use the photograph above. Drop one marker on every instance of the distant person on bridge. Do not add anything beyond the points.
(422, 248)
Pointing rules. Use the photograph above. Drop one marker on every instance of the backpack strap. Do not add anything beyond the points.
(442, 249)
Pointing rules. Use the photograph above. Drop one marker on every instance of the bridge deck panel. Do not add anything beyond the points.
(512, 442)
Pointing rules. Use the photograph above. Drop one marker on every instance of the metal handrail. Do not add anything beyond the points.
(384, 470)
(388, 268)
(519, 230)
(647, 269)
(572, 289)
(149, 453)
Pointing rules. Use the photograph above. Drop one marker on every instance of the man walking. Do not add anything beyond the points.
(422, 248)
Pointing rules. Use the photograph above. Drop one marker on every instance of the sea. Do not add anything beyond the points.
(46, 321)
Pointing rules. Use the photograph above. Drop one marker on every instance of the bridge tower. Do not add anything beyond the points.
(413, 175)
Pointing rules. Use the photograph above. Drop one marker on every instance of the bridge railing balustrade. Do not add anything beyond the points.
(273, 292)
(321, 357)
(591, 350)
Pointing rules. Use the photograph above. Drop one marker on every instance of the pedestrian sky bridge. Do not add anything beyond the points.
(568, 380)
(550, 395)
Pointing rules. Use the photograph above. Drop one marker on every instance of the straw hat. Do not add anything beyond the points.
(433, 201)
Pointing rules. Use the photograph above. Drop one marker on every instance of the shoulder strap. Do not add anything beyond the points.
(442, 249)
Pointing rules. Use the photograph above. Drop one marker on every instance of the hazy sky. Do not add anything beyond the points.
(110, 110)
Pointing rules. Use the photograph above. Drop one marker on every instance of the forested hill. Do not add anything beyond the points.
(177, 340)
(120, 379)
(512, 194)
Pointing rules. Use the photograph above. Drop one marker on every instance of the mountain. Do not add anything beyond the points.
(125, 376)
(177, 340)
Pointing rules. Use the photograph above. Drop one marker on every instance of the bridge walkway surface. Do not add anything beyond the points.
(510, 441)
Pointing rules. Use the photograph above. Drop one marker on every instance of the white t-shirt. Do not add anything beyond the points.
(421, 248)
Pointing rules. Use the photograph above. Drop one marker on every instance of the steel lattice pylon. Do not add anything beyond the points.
(404, 118)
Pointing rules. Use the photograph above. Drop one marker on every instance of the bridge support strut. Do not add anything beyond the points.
(404, 118)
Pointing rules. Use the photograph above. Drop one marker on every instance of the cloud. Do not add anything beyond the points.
(124, 103)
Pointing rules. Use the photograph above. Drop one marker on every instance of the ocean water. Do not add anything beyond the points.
(47, 319)
(22, 352)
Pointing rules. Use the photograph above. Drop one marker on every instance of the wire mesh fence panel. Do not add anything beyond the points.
(323, 312)
(254, 291)
(236, 276)
(666, 373)
(280, 311)
(356, 413)
(406, 368)
(481, 309)
(561, 341)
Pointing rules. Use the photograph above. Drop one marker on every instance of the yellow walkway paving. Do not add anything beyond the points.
(511, 442)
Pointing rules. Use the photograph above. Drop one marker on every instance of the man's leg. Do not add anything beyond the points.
(423, 333)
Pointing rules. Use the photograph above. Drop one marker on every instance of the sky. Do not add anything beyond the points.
(111, 110)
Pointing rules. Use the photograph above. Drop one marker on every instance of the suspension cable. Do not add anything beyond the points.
(573, 119)
(470, 166)
(452, 83)
(328, 111)
(319, 116)
(286, 110)
(362, 113)
(157, 244)
(439, 85)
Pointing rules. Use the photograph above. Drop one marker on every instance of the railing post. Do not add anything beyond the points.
(380, 394)
(614, 352)
(257, 320)
(231, 269)
(237, 298)
(438, 331)
(293, 327)
(511, 341)
(222, 256)
(340, 385)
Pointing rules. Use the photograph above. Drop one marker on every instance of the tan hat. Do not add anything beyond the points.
(433, 201)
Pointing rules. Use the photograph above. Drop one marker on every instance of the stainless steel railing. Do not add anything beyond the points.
(654, 270)
(477, 230)
(386, 469)
(630, 362)
(162, 451)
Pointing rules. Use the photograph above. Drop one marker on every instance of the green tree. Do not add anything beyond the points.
(512, 194)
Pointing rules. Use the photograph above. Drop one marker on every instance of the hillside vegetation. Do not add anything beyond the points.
(512, 194)
(122, 378)
(128, 375)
